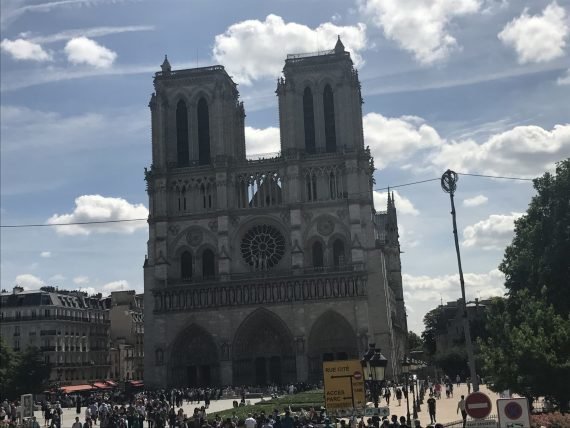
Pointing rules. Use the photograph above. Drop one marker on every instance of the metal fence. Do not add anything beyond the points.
(459, 423)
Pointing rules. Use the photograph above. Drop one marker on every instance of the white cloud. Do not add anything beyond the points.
(403, 204)
(433, 289)
(396, 139)
(89, 290)
(254, 49)
(29, 281)
(524, 151)
(116, 286)
(565, 79)
(22, 50)
(261, 141)
(475, 201)
(420, 26)
(56, 278)
(81, 50)
(93, 208)
(493, 233)
(537, 38)
(80, 280)
(88, 32)
(45, 254)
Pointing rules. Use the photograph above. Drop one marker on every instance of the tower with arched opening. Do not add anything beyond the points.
(261, 268)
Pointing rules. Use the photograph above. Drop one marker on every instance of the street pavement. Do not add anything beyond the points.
(446, 408)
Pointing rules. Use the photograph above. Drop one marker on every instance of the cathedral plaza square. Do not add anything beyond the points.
(258, 270)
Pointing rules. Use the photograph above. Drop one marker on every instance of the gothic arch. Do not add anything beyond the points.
(309, 251)
(181, 239)
(329, 116)
(208, 269)
(204, 143)
(339, 228)
(194, 359)
(182, 134)
(331, 338)
(263, 350)
(309, 120)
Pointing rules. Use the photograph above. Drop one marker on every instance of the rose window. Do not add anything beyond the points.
(262, 247)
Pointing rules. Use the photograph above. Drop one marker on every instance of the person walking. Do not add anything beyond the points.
(461, 408)
(399, 396)
(431, 409)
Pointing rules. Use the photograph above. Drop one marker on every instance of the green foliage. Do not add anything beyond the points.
(415, 342)
(22, 372)
(538, 259)
(452, 362)
(528, 350)
(304, 400)
(434, 324)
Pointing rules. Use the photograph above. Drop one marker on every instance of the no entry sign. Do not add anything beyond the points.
(478, 405)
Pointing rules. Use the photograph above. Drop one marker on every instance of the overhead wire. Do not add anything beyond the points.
(412, 183)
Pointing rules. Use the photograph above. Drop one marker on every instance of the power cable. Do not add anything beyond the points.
(144, 219)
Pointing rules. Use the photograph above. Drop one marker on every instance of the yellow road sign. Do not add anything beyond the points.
(344, 385)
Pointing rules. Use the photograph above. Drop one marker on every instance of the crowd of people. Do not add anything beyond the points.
(161, 409)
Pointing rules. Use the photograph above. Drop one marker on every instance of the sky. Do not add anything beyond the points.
(478, 86)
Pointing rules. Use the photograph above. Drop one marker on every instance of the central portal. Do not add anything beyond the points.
(263, 351)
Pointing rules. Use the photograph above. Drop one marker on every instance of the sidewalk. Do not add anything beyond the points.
(446, 408)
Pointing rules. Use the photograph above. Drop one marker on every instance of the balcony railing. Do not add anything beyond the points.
(290, 288)
(52, 318)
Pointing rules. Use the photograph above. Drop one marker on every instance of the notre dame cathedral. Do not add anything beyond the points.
(258, 270)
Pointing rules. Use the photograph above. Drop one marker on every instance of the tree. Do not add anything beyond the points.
(528, 350)
(415, 342)
(528, 345)
(22, 372)
(434, 325)
(538, 259)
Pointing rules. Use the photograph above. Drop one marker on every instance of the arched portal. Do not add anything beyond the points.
(194, 359)
(331, 338)
(263, 351)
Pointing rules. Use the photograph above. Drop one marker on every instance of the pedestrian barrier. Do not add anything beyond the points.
(459, 423)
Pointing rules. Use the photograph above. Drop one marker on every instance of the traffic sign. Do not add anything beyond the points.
(513, 412)
(344, 385)
(478, 405)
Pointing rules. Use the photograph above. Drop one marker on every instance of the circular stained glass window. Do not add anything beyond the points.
(262, 247)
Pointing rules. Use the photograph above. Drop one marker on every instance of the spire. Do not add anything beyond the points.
(166, 68)
(339, 47)
(393, 200)
(389, 200)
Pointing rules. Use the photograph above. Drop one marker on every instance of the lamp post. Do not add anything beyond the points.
(406, 365)
(449, 185)
(414, 367)
(374, 367)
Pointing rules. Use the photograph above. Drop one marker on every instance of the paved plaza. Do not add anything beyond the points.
(446, 408)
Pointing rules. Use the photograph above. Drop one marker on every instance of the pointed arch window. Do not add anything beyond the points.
(208, 264)
(330, 132)
(203, 132)
(186, 265)
(309, 120)
(182, 148)
(338, 253)
(317, 252)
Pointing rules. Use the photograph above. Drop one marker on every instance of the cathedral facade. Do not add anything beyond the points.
(258, 270)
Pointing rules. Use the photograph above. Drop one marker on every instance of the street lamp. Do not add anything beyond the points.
(449, 185)
(415, 365)
(374, 367)
(406, 365)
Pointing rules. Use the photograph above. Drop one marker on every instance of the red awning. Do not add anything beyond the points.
(137, 383)
(76, 388)
(101, 385)
(112, 383)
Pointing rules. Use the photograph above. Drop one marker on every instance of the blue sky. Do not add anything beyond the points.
(479, 86)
